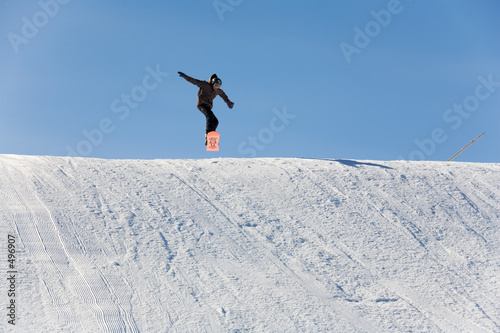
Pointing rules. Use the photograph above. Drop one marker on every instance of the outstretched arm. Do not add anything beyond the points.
(225, 98)
(190, 79)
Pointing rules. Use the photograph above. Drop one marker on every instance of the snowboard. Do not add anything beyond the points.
(213, 141)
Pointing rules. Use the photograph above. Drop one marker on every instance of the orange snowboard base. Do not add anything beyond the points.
(213, 141)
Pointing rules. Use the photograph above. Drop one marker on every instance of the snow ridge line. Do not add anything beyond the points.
(257, 245)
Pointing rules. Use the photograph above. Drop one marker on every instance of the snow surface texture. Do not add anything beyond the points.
(258, 245)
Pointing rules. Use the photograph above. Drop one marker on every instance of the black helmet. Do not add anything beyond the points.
(217, 81)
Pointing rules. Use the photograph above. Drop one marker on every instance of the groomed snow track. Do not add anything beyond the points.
(258, 245)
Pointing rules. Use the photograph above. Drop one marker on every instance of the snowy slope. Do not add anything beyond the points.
(259, 245)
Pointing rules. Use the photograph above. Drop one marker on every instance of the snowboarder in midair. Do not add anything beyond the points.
(208, 91)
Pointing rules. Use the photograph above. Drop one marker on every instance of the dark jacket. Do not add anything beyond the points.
(207, 93)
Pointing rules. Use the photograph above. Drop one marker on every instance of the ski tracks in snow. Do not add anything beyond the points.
(253, 244)
(252, 247)
(407, 218)
(74, 285)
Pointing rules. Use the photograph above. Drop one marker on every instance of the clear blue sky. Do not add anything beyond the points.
(380, 80)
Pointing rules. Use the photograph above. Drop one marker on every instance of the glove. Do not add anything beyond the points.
(181, 74)
(231, 104)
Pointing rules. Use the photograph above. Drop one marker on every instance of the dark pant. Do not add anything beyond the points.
(212, 121)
